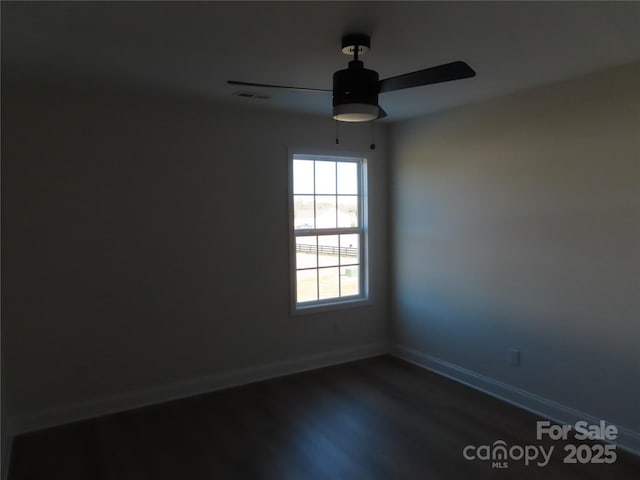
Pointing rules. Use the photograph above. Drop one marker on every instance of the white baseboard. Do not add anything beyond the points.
(628, 440)
(7, 443)
(126, 401)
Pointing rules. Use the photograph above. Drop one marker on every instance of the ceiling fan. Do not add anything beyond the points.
(355, 89)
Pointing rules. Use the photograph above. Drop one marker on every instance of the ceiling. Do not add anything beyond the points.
(192, 48)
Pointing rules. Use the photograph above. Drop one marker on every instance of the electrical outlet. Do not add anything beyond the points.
(514, 357)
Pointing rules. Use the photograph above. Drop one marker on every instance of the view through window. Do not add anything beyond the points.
(328, 229)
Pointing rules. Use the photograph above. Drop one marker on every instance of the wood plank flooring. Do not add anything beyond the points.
(379, 418)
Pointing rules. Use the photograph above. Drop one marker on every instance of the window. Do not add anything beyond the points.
(328, 234)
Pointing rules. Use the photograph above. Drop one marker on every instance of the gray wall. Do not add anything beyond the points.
(146, 242)
(516, 224)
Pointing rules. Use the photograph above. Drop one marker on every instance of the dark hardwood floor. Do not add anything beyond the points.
(379, 418)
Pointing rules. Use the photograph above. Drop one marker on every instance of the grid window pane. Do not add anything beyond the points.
(307, 285)
(325, 177)
(347, 211)
(326, 211)
(303, 176)
(350, 249)
(329, 283)
(328, 251)
(348, 178)
(350, 280)
(303, 212)
(306, 252)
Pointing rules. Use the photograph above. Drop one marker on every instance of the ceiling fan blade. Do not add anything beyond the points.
(381, 113)
(265, 85)
(441, 73)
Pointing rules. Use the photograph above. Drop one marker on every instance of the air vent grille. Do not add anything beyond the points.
(257, 96)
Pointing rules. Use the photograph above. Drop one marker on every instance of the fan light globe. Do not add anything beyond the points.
(355, 112)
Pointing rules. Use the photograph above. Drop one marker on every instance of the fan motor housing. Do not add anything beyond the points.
(355, 84)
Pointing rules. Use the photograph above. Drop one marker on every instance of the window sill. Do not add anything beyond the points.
(329, 306)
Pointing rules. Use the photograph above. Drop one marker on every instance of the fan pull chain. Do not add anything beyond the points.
(337, 137)
(373, 145)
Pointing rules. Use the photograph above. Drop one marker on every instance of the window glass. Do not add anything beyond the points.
(328, 230)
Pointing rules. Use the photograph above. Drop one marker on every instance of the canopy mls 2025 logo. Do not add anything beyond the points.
(500, 453)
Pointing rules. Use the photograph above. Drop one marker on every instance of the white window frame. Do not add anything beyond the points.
(362, 230)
